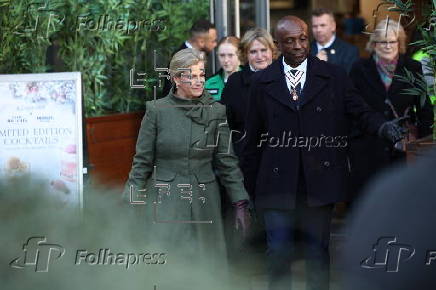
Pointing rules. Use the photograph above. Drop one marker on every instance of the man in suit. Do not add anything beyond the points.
(203, 37)
(295, 164)
(327, 46)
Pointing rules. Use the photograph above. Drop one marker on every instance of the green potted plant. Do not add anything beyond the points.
(419, 86)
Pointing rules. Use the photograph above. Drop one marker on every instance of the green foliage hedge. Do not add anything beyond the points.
(104, 54)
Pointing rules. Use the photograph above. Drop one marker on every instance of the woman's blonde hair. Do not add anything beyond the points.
(185, 58)
(260, 35)
(382, 28)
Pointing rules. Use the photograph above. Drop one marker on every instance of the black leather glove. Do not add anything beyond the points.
(392, 131)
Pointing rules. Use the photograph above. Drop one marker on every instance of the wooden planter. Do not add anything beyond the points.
(420, 146)
(111, 144)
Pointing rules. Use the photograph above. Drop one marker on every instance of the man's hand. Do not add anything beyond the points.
(322, 55)
(392, 131)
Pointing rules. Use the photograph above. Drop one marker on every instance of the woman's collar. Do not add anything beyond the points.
(204, 99)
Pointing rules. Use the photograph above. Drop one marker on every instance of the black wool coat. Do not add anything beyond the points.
(282, 134)
(369, 154)
(235, 96)
(340, 53)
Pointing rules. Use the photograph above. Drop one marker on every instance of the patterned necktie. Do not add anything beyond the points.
(294, 76)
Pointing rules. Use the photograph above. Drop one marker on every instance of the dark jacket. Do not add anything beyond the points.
(368, 153)
(320, 120)
(340, 53)
(235, 96)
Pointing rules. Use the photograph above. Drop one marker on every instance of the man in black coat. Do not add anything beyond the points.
(327, 46)
(203, 37)
(294, 163)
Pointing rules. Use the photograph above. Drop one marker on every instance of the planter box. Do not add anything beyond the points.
(111, 144)
(419, 148)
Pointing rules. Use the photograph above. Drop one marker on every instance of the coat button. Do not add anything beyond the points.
(318, 109)
(275, 170)
(326, 163)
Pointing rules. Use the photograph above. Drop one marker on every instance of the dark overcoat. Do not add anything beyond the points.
(281, 131)
(340, 53)
(235, 97)
(368, 153)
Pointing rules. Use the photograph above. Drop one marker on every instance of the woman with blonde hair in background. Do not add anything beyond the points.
(257, 50)
(377, 79)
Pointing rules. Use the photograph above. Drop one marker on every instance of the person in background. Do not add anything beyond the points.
(228, 56)
(327, 46)
(174, 163)
(203, 37)
(212, 39)
(257, 50)
(376, 79)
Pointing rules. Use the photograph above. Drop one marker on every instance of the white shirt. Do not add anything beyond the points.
(188, 45)
(252, 68)
(327, 45)
(302, 67)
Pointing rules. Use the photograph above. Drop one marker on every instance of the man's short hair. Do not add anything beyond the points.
(321, 11)
(200, 27)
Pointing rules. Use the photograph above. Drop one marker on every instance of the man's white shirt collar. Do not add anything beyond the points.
(302, 67)
(188, 45)
(328, 44)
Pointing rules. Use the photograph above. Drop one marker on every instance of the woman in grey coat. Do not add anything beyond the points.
(183, 140)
